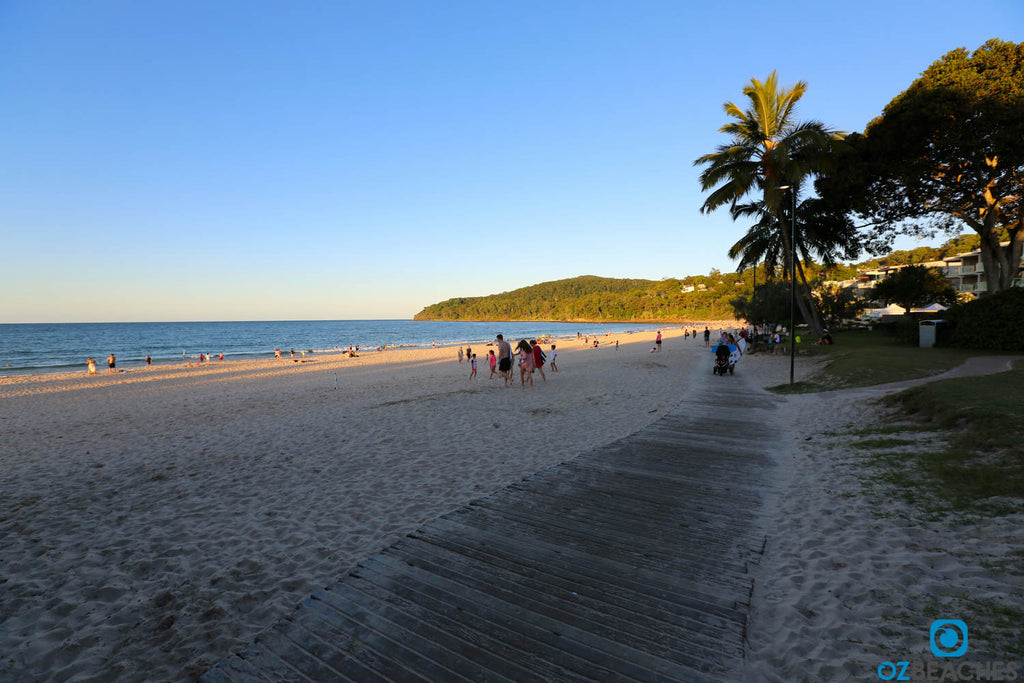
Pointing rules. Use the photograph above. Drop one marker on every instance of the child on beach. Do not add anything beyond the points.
(493, 360)
(538, 358)
(472, 364)
(551, 360)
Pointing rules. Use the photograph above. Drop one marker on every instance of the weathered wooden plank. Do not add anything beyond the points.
(534, 643)
(620, 547)
(647, 600)
(584, 629)
(626, 563)
(372, 650)
(630, 626)
(494, 618)
(445, 622)
(299, 659)
(326, 649)
(606, 510)
(271, 667)
(677, 589)
(452, 654)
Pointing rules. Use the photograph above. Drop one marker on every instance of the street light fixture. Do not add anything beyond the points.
(792, 282)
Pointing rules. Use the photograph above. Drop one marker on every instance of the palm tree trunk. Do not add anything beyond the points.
(814, 320)
(806, 305)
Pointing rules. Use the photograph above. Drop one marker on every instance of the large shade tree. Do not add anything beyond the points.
(768, 150)
(949, 152)
(915, 286)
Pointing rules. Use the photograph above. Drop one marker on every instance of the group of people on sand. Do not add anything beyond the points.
(111, 364)
(528, 356)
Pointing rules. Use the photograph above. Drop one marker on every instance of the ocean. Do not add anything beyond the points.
(64, 347)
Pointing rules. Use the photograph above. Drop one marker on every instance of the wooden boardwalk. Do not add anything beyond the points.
(626, 563)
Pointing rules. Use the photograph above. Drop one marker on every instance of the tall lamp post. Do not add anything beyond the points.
(792, 282)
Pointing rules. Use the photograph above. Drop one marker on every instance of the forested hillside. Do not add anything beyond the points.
(601, 299)
(693, 298)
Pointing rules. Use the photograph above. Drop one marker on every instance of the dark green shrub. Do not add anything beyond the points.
(994, 322)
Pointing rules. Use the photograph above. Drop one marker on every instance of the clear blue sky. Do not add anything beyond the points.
(178, 160)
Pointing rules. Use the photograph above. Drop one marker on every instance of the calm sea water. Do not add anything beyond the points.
(37, 348)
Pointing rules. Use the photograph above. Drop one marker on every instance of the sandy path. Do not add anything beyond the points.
(853, 575)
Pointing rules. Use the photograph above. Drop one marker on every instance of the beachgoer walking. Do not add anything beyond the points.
(472, 364)
(616, 344)
(538, 358)
(504, 359)
(149, 361)
(707, 336)
(469, 352)
(91, 365)
(493, 361)
(657, 341)
(112, 363)
(525, 363)
(551, 359)
(460, 354)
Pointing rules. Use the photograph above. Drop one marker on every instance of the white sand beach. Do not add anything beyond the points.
(154, 520)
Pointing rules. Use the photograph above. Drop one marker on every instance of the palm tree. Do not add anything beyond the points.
(824, 237)
(768, 150)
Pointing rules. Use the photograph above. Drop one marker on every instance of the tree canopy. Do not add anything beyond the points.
(915, 286)
(769, 155)
(948, 152)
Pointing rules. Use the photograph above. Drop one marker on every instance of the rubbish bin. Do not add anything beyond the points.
(927, 330)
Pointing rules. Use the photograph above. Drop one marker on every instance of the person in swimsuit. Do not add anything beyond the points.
(504, 360)
(112, 363)
(525, 363)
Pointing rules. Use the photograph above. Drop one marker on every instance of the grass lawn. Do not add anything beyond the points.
(984, 420)
(981, 418)
(865, 357)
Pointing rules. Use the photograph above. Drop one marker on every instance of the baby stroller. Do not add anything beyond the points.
(724, 359)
